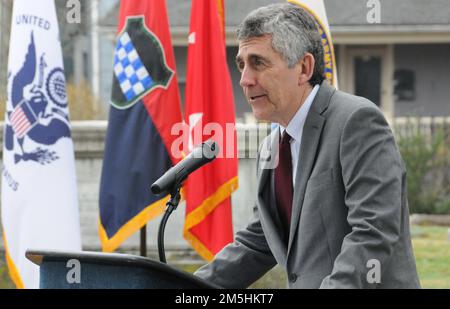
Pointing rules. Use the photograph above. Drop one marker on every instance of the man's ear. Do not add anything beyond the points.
(306, 68)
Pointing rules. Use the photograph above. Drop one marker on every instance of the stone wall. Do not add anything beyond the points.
(88, 137)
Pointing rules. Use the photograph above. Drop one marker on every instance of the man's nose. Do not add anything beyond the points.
(248, 78)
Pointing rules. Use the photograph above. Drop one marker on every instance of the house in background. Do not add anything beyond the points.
(401, 62)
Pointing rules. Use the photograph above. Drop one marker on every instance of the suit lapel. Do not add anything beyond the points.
(266, 199)
(310, 140)
(309, 146)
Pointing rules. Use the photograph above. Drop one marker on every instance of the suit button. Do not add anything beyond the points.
(292, 278)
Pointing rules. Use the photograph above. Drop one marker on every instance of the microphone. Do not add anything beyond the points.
(201, 155)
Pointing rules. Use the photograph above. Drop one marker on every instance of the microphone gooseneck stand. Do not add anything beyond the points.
(171, 205)
(172, 180)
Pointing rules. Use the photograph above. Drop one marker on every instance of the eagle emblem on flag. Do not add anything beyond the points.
(37, 116)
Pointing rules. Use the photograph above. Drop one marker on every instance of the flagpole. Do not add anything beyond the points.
(143, 246)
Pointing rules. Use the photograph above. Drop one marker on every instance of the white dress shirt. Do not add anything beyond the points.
(295, 129)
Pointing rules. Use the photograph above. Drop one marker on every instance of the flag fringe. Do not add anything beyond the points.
(133, 225)
(327, 34)
(198, 214)
(221, 12)
(198, 246)
(209, 204)
(12, 269)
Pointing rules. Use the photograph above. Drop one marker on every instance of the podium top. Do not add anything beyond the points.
(40, 257)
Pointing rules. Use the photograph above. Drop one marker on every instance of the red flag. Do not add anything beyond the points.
(210, 115)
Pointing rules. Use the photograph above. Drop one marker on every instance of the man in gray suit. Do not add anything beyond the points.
(331, 203)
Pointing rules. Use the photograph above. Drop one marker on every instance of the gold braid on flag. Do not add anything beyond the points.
(196, 216)
(328, 51)
(12, 269)
(221, 12)
(135, 224)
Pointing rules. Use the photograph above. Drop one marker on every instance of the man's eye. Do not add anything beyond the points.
(257, 62)
(240, 66)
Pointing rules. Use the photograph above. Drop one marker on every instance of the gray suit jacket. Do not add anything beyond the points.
(350, 220)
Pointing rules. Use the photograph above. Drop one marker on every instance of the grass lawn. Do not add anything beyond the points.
(431, 248)
(432, 251)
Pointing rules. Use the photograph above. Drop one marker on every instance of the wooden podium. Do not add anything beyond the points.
(109, 271)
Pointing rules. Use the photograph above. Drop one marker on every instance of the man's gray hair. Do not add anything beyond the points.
(294, 32)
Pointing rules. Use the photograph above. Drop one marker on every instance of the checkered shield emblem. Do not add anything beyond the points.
(139, 65)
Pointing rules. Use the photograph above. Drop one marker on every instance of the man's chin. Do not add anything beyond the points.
(262, 113)
(261, 117)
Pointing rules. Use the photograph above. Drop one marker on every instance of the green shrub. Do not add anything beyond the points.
(428, 171)
(83, 105)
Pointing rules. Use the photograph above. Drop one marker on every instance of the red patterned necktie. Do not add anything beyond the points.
(283, 182)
